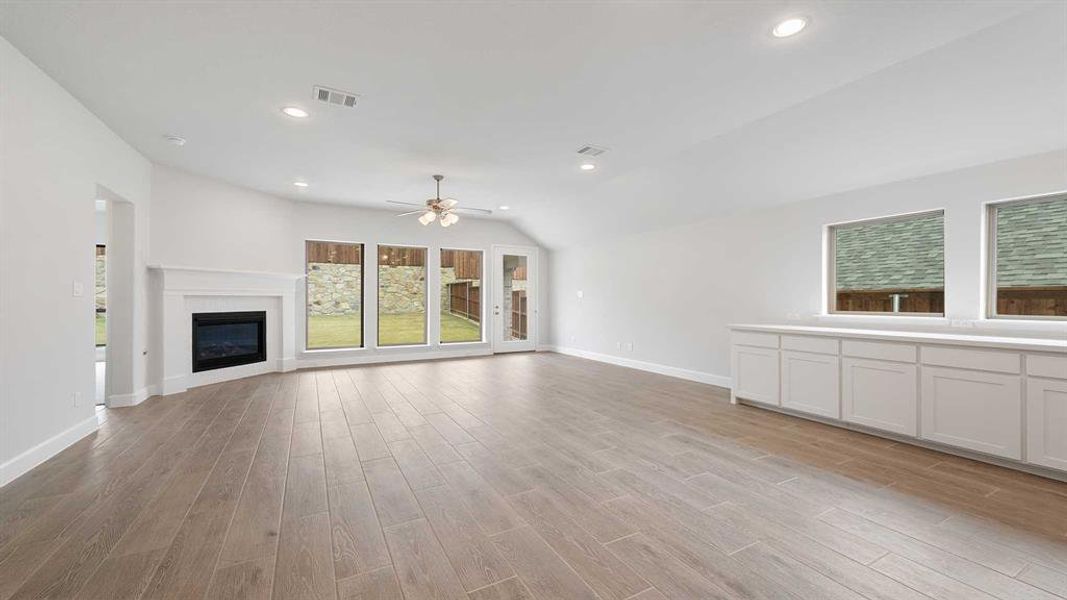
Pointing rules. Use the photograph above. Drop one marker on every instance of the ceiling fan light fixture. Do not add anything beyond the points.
(427, 217)
(449, 219)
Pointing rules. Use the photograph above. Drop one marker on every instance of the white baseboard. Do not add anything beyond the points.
(391, 357)
(29, 459)
(680, 373)
(132, 399)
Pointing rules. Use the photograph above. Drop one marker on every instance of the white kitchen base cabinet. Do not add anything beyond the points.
(756, 373)
(992, 398)
(977, 410)
(810, 383)
(1046, 431)
(880, 394)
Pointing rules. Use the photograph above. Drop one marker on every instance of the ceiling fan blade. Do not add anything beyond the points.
(484, 211)
(448, 203)
(414, 212)
(405, 203)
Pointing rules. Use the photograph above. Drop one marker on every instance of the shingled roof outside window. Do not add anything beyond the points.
(1032, 244)
(891, 254)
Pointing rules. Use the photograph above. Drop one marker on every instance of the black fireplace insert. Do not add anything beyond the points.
(228, 339)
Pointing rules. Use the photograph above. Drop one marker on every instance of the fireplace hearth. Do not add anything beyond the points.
(228, 339)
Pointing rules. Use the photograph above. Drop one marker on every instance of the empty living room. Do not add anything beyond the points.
(533, 300)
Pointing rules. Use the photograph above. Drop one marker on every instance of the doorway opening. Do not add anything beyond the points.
(100, 299)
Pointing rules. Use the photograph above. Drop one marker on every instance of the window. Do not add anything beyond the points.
(461, 296)
(1028, 262)
(894, 265)
(401, 295)
(334, 295)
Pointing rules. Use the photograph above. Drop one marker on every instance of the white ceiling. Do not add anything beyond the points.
(703, 110)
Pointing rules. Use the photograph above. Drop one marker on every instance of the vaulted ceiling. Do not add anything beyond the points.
(704, 112)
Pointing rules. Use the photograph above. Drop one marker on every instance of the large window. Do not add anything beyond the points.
(461, 296)
(894, 265)
(401, 295)
(1028, 262)
(334, 295)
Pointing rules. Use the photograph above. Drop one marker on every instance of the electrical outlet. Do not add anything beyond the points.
(618, 345)
(629, 346)
(77, 397)
(77, 289)
(581, 294)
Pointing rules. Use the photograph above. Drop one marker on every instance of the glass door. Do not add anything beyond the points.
(514, 298)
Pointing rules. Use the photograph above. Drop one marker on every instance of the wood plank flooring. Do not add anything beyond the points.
(513, 477)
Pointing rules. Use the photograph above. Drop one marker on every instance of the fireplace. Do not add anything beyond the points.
(228, 339)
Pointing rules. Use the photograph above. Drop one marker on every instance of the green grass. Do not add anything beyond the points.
(341, 331)
(101, 329)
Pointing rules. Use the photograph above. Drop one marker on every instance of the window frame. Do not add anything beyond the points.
(377, 296)
(481, 297)
(362, 297)
(830, 263)
(990, 257)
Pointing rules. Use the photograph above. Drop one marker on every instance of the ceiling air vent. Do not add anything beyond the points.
(591, 150)
(338, 97)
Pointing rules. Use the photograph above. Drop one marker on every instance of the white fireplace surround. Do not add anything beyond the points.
(188, 290)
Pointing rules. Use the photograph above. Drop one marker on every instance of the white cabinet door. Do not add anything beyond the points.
(755, 374)
(1046, 427)
(880, 394)
(810, 383)
(973, 409)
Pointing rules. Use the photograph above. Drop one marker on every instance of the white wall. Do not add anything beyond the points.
(55, 158)
(672, 293)
(205, 223)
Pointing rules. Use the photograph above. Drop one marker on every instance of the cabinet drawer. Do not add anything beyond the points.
(755, 338)
(965, 358)
(977, 410)
(880, 350)
(1043, 365)
(805, 343)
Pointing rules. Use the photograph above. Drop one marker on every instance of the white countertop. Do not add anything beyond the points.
(957, 339)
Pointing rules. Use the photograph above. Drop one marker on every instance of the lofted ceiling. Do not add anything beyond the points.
(703, 111)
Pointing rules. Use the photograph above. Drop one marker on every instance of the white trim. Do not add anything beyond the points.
(481, 349)
(292, 276)
(131, 399)
(29, 459)
(678, 372)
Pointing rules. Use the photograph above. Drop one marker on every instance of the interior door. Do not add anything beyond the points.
(514, 298)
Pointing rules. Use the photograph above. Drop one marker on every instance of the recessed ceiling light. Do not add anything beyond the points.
(587, 166)
(295, 112)
(789, 27)
(177, 140)
(504, 207)
(300, 184)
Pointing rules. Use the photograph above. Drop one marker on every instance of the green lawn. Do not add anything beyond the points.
(340, 331)
(101, 329)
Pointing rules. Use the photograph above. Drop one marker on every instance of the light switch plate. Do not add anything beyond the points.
(77, 289)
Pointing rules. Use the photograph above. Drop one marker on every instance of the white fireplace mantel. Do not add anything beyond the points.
(187, 290)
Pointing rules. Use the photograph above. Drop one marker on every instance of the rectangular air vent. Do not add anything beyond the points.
(591, 150)
(338, 97)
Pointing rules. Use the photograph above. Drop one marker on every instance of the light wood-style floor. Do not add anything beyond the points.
(521, 476)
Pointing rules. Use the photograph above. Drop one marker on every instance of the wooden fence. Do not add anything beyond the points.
(913, 301)
(1035, 301)
(465, 300)
(467, 263)
(518, 314)
(401, 256)
(334, 252)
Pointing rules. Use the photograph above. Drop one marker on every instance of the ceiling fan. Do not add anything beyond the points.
(445, 208)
